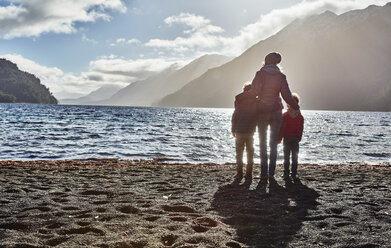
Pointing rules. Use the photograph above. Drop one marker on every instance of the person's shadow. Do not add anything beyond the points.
(267, 216)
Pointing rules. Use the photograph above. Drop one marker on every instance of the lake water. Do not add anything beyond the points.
(58, 132)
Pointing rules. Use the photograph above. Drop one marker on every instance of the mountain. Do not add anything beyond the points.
(334, 62)
(100, 94)
(66, 94)
(20, 86)
(151, 90)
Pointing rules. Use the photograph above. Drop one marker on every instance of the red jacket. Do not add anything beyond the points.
(292, 125)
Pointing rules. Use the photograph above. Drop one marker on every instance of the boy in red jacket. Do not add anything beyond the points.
(292, 131)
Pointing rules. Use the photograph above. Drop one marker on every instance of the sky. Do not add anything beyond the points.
(77, 46)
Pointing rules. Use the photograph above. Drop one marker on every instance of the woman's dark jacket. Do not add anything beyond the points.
(269, 82)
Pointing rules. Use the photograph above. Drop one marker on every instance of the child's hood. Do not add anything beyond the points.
(293, 113)
(244, 99)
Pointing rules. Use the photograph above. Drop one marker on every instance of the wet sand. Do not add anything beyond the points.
(110, 203)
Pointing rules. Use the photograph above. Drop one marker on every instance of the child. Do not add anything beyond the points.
(244, 121)
(292, 131)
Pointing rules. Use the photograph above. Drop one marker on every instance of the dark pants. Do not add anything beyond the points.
(291, 146)
(274, 120)
(244, 140)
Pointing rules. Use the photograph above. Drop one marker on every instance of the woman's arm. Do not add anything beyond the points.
(282, 129)
(287, 95)
(256, 84)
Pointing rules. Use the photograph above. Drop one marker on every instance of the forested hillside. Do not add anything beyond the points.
(19, 86)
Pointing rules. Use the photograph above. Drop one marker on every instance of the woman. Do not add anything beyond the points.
(268, 84)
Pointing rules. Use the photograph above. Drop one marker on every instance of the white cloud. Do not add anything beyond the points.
(108, 70)
(86, 39)
(275, 20)
(10, 12)
(204, 37)
(191, 20)
(138, 68)
(132, 41)
(201, 35)
(47, 75)
(33, 17)
(123, 41)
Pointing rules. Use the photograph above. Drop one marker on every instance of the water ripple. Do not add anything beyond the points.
(31, 132)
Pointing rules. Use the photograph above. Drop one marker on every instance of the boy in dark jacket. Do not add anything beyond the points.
(292, 131)
(244, 120)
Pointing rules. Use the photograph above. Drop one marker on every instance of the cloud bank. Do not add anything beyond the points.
(123, 42)
(31, 18)
(202, 36)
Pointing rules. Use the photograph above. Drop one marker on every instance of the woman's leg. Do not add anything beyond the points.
(262, 128)
(275, 126)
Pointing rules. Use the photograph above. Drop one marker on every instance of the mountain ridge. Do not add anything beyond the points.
(329, 69)
(150, 91)
(99, 94)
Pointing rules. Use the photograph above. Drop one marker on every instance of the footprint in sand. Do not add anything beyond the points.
(4, 202)
(197, 239)
(321, 224)
(152, 218)
(83, 214)
(57, 241)
(54, 192)
(178, 208)
(60, 200)
(18, 226)
(100, 202)
(12, 191)
(82, 230)
(179, 218)
(336, 210)
(203, 224)
(343, 224)
(128, 209)
(101, 210)
(70, 208)
(205, 221)
(199, 229)
(83, 223)
(169, 240)
(42, 209)
(124, 244)
(94, 192)
(233, 245)
(55, 225)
